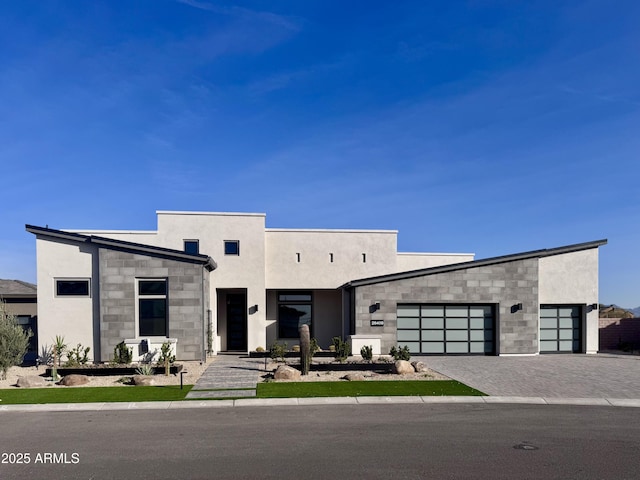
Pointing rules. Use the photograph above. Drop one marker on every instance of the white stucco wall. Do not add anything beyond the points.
(71, 317)
(315, 268)
(416, 261)
(572, 278)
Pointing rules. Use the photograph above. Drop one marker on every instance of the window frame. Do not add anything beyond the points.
(237, 248)
(57, 293)
(140, 297)
(284, 302)
(191, 241)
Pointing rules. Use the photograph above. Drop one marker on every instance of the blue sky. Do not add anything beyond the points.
(479, 126)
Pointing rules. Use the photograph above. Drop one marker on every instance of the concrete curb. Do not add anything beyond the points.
(318, 401)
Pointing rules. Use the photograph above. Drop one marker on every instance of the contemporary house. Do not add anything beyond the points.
(211, 282)
(20, 299)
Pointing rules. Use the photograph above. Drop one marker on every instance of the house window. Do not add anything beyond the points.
(72, 288)
(232, 247)
(152, 307)
(294, 310)
(192, 247)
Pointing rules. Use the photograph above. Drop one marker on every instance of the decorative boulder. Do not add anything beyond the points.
(354, 377)
(285, 372)
(402, 367)
(31, 381)
(74, 380)
(419, 366)
(143, 380)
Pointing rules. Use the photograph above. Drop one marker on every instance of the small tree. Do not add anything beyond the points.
(14, 341)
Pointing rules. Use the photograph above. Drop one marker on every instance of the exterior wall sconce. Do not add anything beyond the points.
(516, 308)
(253, 309)
(594, 306)
(374, 307)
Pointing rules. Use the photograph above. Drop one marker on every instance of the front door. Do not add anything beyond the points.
(237, 321)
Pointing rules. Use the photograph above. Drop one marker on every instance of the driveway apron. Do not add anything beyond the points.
(569, 376)
(229, 376)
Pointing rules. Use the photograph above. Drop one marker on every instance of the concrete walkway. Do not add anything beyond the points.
(229, 376)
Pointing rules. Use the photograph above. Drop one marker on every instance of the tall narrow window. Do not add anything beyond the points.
(152, 307)
(294, 310)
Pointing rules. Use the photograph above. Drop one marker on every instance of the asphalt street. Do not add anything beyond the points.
(410, 441)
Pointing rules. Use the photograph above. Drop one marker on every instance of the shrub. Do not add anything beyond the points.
(341, 349)
(400, 353)
(14, 341)
(122, 354)
(277, 351)
(259, 349)
(313, 346)
(77, 356)
(144, 369)
(59, 348)
(46, 355)
(166, 357)
(367, 353)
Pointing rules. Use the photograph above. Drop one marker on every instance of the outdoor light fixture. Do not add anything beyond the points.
(374, 307)
(253, 309)
(594, 306)
(516, 308)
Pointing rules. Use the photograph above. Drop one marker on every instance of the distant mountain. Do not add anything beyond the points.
(615, 311)
(635, 311)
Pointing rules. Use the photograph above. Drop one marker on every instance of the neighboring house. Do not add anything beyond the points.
(212, 282)
(21, 300)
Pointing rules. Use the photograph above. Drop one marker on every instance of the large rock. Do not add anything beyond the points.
(285, 372)
(144, 380)
(419, 367)
(354, 377)
(31, 381)
(74, 380)
(402, 367)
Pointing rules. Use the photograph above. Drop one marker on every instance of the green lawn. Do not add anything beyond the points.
(368, 388)
(92, 394)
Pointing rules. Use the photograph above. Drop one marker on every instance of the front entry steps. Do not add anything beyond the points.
(229, 376)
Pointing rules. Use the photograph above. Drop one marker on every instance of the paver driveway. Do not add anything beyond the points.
(569, 376)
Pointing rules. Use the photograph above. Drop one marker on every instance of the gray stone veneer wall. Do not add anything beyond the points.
(505, 284)
(118, 273)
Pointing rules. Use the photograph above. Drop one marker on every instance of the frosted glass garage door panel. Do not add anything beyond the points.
(549, 322)
(566, 334)
(566, 323)
(408, 335)
(457, 347)
(478, 335)
(457, 335)
(457, 323)
(568, 312)
(482, 312)
(566, 345)
(413, 346)
(548, 334)
(433, 335)
(547, 346)
(549, 312)
(432, 347)
(433, 323)
(433, 312)
(408, 310)
(457, 312)
(408, 322)
(477, 347)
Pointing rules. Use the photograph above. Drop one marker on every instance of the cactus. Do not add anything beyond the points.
(305, 349)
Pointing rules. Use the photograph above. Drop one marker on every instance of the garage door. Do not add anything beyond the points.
(560, 328)
(447, 329)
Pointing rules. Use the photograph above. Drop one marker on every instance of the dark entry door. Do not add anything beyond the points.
(236, 321)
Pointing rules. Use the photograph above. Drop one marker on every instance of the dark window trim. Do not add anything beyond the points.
(237, 247)
(140, 297)
(192, 241)
(56, 285)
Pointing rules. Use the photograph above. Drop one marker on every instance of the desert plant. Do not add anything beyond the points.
(305, 349)
(166, 357)
(341, 349)
(400, 353)
(313, 346)
(367, 353)
(14, 341)
(77, 356)
(122, 354)
(59, 348)
(259, 349)
(144, 369)
(277, 351)
(46, 355)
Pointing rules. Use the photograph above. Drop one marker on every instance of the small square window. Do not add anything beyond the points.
(232, 247)
(192, 247)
